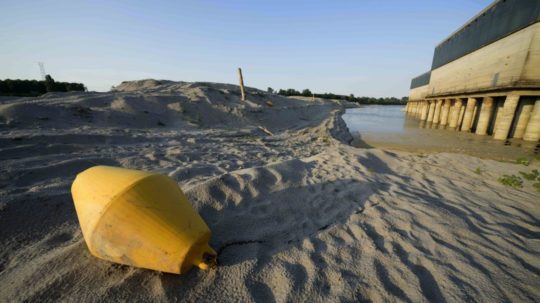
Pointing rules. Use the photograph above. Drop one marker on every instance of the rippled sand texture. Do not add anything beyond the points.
(299, 216)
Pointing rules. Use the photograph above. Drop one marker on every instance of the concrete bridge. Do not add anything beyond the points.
(485, 77)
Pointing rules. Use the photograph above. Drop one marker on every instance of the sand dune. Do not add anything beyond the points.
(299, 216)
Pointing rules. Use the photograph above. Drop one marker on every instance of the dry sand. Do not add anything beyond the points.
(298, 216)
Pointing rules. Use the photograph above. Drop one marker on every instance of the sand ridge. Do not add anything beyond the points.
(297, 216)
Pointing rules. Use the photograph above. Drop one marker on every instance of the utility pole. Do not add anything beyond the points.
(42, 69)
(242, 90)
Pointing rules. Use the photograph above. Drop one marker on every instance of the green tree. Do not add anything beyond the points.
(49, 83)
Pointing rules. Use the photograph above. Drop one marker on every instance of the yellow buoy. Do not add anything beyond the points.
(140, 219)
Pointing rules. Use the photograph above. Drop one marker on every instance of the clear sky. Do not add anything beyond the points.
(364, 47)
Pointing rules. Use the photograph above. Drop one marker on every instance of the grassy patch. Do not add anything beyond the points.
(523, 161)
(478, 171)
(511, 180)
(530, 176)
(536, 186)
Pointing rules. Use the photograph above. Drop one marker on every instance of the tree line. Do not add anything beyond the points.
(32, 88)
(351, 98)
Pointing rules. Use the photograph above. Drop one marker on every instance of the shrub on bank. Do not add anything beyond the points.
(29, 88)
(351, 98)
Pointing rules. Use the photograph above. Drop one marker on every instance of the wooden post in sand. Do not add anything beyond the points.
(242, 90)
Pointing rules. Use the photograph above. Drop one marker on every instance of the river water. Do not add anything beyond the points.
(388, 126)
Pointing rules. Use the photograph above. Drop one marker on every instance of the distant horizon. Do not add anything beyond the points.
(368, 49)
(276, 90)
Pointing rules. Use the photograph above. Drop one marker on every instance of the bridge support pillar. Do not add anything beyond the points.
(460, 118)
(425, 109)
(456, 109)
(486, 111)
(445, 110)
(504, 122)
(469, 115)
(523, 116)
(532, 132)
(431, 111)
(437, 114)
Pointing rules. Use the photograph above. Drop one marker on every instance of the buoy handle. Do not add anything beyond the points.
(208, 260)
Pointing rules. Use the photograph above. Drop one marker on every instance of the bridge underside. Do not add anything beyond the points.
(493, 90)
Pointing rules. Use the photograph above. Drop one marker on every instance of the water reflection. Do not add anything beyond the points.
(388, 126)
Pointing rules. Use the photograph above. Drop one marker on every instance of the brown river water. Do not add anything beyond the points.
(388, 127)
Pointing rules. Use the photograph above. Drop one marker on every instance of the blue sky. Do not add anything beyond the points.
(368, 47)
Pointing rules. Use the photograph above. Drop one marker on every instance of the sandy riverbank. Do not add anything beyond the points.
(296, 216)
